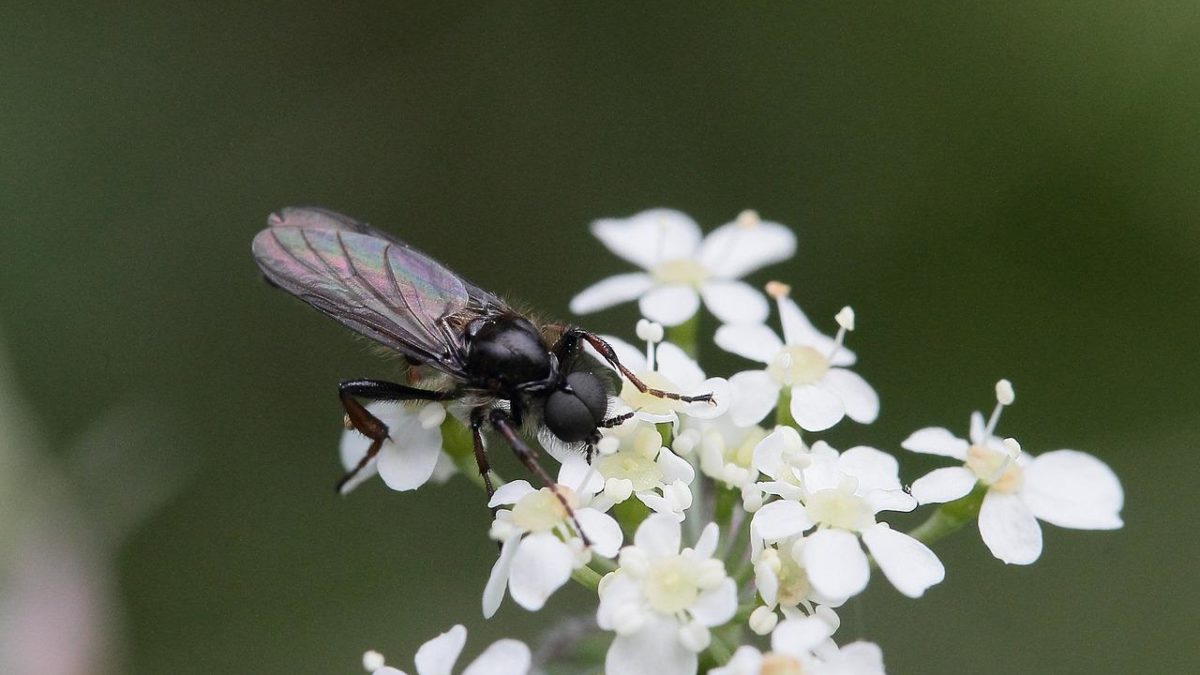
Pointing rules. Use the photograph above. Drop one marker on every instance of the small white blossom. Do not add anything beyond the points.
(662, 601)
(640, 466)
(437, 657)
(811, 365)
(840, 495)
(540, 547)
(410, 456)
(725, 450)
(1067, 488)
(665, 366)
(787, 657)
(681, 269)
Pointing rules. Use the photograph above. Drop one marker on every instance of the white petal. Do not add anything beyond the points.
(798, 330)
(860, 399)
(706, 544)
(797, 637)
(1073, 489)
(768, 454)
(541, 566)
(780, 520)
(890, 500)
(611, 291)
(407, 458)
(601, 530)
(510, 493)
(493, 592)
(978, 428)
(675, 468)
(755, 394)
(653, 649)
(670, 305)
(1009, 529)
(767, 583)
(753, 341)
(660, 505)
(717, 605)
(658, 536)
(734, 250)
(874, 469)
(906, 562)
(936, 441)
(835, 563)
(722, 397)
(618, 592)
(581, 477)
(650, 237)
(352, 448)
(677, 366)
(631, 357)
(734, 301)
(437, 656)
(503, 657)
(943, 485)
(857, 658)
(816, 408)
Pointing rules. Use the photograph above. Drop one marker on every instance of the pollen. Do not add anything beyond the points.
(995, 468)
(777, 289)
(748, 218)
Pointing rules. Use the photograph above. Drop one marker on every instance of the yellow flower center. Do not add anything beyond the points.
(681, 271)
(798, 365)
(542, 511)
(670, 585)
(841, 509)
(995, 468)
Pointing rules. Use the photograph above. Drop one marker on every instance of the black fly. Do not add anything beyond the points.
(507, 369)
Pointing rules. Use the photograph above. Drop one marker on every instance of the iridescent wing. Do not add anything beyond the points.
(372, 283)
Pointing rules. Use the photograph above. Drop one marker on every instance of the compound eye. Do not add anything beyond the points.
(573, 416)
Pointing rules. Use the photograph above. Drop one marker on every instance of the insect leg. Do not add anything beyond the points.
(361, 420)
(610, 355)
(502, 423)
(481, 458)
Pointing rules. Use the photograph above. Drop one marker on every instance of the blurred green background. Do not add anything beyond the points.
(999, 189)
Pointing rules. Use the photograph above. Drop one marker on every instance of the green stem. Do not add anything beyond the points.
(684, 336)
(950, 517)
(783, 410)
(719, 650)
(587, 577)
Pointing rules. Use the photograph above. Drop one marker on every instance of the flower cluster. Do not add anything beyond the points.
(721, 537)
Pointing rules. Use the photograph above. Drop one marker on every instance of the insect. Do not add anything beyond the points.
(507, 369)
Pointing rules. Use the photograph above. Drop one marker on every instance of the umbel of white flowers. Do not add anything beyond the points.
(706, 520)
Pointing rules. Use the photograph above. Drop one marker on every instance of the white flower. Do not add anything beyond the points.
(411, 454)
(1067, 488)
(662, 601)
(807, 362)
(781, 580)
(665, 366)
(680, 269)
(725, 450)
(635, 463)
(437, 657)
(840, 496)
(540, 546)
(788, 657)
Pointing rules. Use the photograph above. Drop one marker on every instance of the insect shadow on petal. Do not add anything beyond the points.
(508, 370)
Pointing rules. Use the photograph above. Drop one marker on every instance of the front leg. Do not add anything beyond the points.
(361, 419)
(569, 344)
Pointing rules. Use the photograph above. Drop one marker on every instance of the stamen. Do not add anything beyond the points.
(1013, 447)
(748, 218)
(845, 320)
(1004, 396)
(652, 333)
